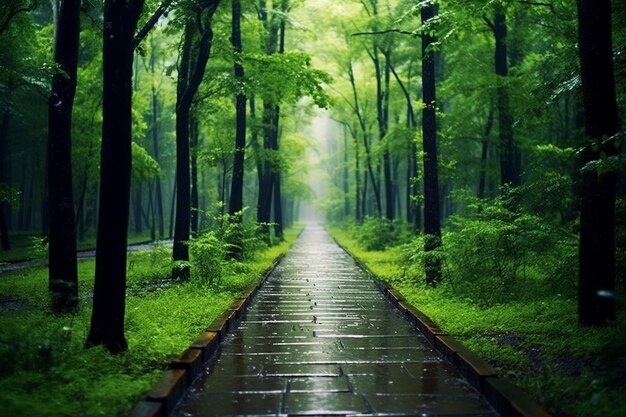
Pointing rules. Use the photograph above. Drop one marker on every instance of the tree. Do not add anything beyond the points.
(63, 270)
(432, 224)
(190, 73)
(596, 303)
(236, 194)
(120, 41)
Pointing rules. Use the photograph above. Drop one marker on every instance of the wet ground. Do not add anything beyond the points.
(320, 339)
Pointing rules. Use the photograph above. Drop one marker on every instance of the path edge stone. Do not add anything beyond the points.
(504, 396)
(165, 394)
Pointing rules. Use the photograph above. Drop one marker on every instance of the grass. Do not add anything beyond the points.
(534, 339)
(44, 369)
(24, 246)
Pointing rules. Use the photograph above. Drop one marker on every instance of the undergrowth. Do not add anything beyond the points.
(45, 369)
(509, 294)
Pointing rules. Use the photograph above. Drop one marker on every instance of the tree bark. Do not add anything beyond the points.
(195, 201)
(510, 155)
(236, 193)
(189, 80)
(432, 225)
(107, 320)
(596, 302)
(63, 269)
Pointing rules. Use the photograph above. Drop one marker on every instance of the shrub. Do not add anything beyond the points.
(377, 233)
(208, 253)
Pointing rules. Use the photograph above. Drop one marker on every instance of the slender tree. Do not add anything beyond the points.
(190, 73)
(596, 303)
(432, 224)
(63, 270)
(236, 193)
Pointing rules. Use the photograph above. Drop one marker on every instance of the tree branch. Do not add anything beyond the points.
(160, 11)
(489, 23)
(11, 15)
(383, 32)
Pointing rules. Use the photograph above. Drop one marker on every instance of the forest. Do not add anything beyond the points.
(468, 153)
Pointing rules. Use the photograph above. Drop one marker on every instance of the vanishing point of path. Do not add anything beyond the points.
(320, 339)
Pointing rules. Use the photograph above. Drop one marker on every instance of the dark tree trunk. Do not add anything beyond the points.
(596, 302)
(155, 146)
(366, 144)
(432, 225)
(4, 228)
(107, 320)
(483, 155)
(63, 270)
(195, 213)
(510, 155)
(236, 193)
(137, 206)
(189, 80)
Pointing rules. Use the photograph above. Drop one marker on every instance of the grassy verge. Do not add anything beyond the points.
(25, 246)
(44, 369)
(535, 341)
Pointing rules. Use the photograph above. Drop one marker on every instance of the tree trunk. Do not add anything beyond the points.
(483, 155)
(137, 206)
(236, 193)
(63, 269)
(510, 156)
(4, 228)
(596, 302)
(195, 201)
(107, 320)
(189, 80)
(155, 146)
(432, 225)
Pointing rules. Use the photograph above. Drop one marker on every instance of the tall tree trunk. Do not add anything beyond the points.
(366, 143)
(596, 302)
(484, 153)
(107, 320)
(190, 76)
(195, 213)
(510, 155)
(63, 269)
(4, 130)
(432, 225)
(155, 150)
(236, 193)
(183, 197)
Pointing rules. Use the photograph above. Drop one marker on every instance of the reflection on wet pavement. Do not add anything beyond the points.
(320, 339)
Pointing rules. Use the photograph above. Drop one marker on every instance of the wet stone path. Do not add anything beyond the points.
(320, 339)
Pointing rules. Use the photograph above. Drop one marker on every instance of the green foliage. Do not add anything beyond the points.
(45, 369)
(208, 254)
(377, 233)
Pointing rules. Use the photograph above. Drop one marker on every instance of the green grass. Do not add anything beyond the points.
(533, 339)
(44, 369)
(24, 246)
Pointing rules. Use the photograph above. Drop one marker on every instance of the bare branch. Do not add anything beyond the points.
(489, 23)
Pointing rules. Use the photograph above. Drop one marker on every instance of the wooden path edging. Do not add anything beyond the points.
(182, 371)
(504, 396)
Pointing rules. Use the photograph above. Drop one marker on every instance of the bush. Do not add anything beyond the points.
(208, 253)
(377, 233)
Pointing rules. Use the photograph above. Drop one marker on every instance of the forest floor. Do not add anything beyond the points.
(535, 340)
(45, 369)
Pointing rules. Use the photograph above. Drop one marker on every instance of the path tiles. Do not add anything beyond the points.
(320, 339)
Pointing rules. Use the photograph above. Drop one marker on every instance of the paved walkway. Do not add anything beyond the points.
(320, 339)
